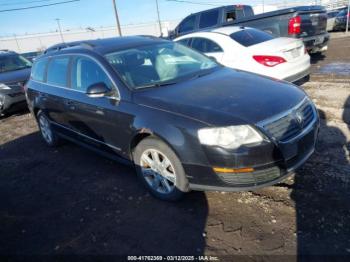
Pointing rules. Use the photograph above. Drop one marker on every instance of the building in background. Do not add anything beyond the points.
(40, 41)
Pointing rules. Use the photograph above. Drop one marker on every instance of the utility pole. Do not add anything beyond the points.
(347, 18)
(119, 31)
(19, 49)
(60, 29)
(159, 22)
(263, 6)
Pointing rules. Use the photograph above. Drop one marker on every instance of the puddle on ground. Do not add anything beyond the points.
(342, 69)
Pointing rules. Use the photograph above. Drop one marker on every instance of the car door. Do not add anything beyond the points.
(95, 120)
(54, 92)
(208, 47)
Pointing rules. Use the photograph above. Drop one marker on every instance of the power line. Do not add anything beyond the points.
(25, 3)
(37, 6)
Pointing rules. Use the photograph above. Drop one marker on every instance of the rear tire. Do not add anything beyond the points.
(160, 169)
(46, 130)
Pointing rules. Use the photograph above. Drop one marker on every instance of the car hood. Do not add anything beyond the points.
(225, 96)
(15, 76)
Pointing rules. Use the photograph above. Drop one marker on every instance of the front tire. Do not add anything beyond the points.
(46, 131)
(160, 169)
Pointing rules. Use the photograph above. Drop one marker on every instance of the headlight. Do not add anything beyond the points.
(4, 87)
(230, 137)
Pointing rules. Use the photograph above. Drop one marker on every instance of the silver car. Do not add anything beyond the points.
(14, 72)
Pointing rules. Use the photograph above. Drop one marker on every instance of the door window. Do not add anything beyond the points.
(209, 19)
(187, 24)
(185, 42)
(57, 71)
(205, 45)
(85, 72)
(38, 70)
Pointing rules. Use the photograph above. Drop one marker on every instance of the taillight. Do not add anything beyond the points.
(294, 25)
(269, 61)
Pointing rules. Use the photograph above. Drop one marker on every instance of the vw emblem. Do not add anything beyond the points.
(298, 116)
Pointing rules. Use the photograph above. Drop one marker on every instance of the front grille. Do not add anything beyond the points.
(254, 178)
(292, 123)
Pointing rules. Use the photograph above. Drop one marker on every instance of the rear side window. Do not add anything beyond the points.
(57, 71)
(85, 72)
(187, 24)
(209, 19)
(205, 45)
(249, 37)
(39, 69)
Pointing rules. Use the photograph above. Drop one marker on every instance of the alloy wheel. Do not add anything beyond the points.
(158, 171)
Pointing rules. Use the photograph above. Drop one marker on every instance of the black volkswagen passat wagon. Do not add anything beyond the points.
(185, 121)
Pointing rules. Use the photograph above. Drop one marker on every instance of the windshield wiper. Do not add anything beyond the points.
(158, 85)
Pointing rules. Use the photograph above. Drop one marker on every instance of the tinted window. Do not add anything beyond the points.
(185, 42)
(205, 45)
(57, 71)
(209, 19)
(86, 72)
(38, 70)
(243, 11)
(187, 24)
(249, 37)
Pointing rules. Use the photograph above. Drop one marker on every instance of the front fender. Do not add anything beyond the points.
(178, 131)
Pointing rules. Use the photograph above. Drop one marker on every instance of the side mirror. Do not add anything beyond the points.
(98, 90)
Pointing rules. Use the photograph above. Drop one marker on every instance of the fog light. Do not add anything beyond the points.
(233, 170)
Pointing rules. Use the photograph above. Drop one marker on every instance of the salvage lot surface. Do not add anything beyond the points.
(69, 200)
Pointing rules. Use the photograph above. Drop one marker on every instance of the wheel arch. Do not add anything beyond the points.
(148, 133)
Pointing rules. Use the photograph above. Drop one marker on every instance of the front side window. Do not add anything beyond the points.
(187, 24)
(86, 72)
(205, 45)
(185, 42)
(13, 62)
(39, 69)
(159, 64)
(209, 19)
(249, 37)
(57, 71)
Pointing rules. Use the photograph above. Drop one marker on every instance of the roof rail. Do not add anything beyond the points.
(58, 47)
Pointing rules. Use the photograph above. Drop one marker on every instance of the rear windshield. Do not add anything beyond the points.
(249, 37)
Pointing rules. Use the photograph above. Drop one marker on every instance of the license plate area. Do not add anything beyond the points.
(298, 149)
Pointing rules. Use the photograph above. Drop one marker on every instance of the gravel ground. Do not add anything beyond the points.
(71, 201)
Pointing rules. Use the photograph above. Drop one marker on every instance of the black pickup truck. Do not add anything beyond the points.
(305, 22)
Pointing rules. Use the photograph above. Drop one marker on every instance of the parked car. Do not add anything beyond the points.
(331, 16)
(303, 22)
(253, 50)
(14, 72)
(30, 55)
(341, 20)
(185, 121)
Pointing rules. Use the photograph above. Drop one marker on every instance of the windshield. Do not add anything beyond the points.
(160, 64)
(13, 62)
